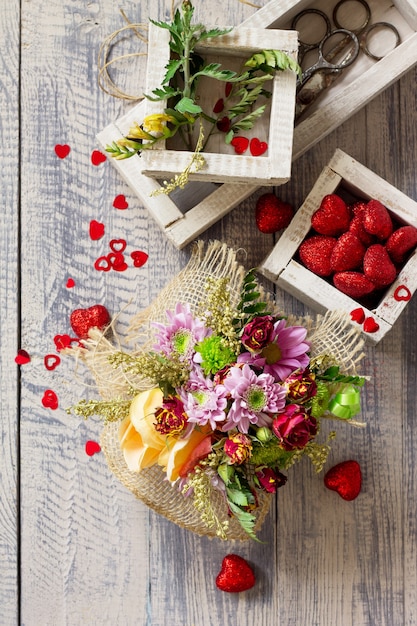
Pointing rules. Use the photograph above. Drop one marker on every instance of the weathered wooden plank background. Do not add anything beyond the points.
(75, 546)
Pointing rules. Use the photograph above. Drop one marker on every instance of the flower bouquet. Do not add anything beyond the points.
(220, 396)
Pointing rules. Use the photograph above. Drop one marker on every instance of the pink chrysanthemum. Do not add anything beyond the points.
(204, 402)
(286, 352)
(254, 398)
(181, 334)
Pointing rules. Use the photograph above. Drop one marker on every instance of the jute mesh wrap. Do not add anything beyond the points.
(331, 334)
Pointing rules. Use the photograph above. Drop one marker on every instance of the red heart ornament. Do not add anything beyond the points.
(353, 284)
(345, 478)
(332, 218)
(120, 202)
(219, 106)
(315, 253)
(50, 400)
(70, 283)
(378, 267)
(377, 220)
(271, 214)
(235, 575)
(102, 264)
(402, 293)
(139, 258)
(96, 230)
(97, 157)
(62, 151)
(358, 315)
(240, 144)
(51, 361)
(82, 320)
(92, 447)
(257, 147)
(117, 261)
(63, 341)
(117, 245)
(22, 357)
(370, 325)
(401, 242)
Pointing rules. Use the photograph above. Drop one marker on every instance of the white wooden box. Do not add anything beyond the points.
(344, 175)
(275, 127)
(359, 83)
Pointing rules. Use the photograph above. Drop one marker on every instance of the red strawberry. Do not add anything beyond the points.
(353, 284)
(401, 242)
(272, 214)
(347, 254)
(235, 575)
(82, 320)
(377, 221)
(378, 267)
(315, 253)
(332, 217)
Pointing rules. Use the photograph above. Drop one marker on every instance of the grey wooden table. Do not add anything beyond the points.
(75, 547)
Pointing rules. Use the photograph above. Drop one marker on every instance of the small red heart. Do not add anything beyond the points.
(92, 447)
(82, 320)
(224, 124)
(117, 261)
(22, 357)
(102, 264)
(257, 147)
(139, 258)
(345, 478)
(228, 88)
(358, 315)
(235, 575)
(402, 293)
(240, 144)
(272, 214)
(370, 325)
(96, 230)
(97, 157)
(219, 106)
(117, 245)
(62, 151)
(120, 202)
(70, 283)
(51, 361)
(63, 341)
(50, 400)
(332, 218)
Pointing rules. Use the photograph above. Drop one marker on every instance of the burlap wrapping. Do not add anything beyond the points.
(331, 334)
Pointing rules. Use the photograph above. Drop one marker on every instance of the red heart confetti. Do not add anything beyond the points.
(51, 361)
(82, 320)
(97, 157)
(228, 88)
(370, 325)
(50, 400)
(240, 144)
(235, 575)
(257, 148)
(358, 315)
(402, 293)
(92, 447)
(120, 202)
(70, 283)
(118, 245)
(224, 124)
(22, 357)
(102, 264)
(345, 478)
(219, 106)
(139, 258)
(272, 214)
(117, 261)
(96, 230)
(62, 151)
(63, 341)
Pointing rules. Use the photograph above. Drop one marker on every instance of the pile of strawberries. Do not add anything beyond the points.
(358, 246)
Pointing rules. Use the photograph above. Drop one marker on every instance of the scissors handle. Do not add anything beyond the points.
(303, 46)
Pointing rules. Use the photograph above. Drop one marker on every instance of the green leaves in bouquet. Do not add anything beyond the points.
(332, 374)
(109, 411)
(239, 498)
(250, 305)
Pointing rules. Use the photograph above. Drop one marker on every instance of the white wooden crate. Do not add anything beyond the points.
(343, 173)
(359, 83)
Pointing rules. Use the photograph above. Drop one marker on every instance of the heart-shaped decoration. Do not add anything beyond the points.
(63, 341)
(358, 315)
(315, 253)
(70, 283)
(224, 124)
(51, 361)
(272, 214)
(62, 151)
(117, 261)
(378, 267)
(120, 202)
(102, 264)
(97, 157)
(235, 575)
(139, 258)
(332, 217)
(345, 478)
(96, 230)
(401, 243)
(402, 293)
(50, 400)
(117, 245)
(92, 447)
(370, 325)
(82, 320)
(240, 144)
(257, 147)
(22, 357)
(219, 106)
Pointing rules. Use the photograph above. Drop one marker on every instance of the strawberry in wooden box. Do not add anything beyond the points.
(351, 246)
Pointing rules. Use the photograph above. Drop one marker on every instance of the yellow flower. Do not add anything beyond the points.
(136, 132)
(156, 122)
(143, 446)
